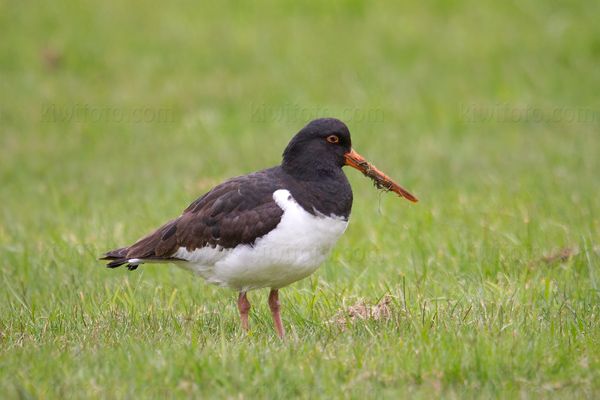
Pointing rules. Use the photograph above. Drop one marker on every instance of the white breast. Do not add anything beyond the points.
(290, 252)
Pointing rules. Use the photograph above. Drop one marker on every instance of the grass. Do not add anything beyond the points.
(487, 113)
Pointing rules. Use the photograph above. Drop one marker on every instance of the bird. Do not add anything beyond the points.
(266, 229)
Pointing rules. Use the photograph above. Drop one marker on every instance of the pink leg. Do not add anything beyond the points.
(275, 310)
(244, 307)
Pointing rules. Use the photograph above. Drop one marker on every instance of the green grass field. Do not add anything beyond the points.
(114, 116)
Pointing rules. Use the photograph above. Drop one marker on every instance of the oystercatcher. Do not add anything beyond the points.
(269, 228)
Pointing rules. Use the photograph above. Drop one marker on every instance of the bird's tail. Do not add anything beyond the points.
(117, 258)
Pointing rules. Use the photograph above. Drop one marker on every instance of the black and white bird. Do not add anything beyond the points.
(267, 229)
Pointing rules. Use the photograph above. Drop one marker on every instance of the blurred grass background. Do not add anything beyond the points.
(114, 116)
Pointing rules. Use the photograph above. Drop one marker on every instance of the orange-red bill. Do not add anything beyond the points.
(382, 181)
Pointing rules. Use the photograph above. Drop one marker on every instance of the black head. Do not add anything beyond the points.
(318, 149)
(322, 148)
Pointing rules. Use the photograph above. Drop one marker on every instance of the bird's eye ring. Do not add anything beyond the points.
(333, 139)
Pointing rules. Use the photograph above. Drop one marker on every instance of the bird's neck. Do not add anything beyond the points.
(311, 169)
(320, 191)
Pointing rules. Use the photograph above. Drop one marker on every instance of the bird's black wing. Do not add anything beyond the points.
(238, 211)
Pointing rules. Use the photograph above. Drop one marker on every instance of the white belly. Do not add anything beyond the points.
(290, 252)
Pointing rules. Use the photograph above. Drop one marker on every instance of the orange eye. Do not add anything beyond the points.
(333, 139)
